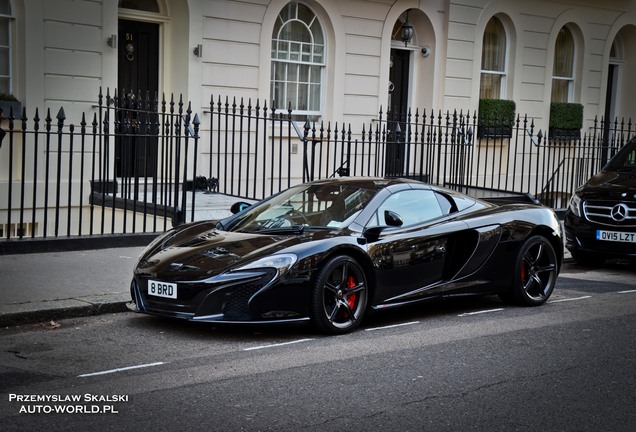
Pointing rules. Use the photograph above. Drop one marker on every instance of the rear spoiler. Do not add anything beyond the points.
(495, 196)
(513, 199)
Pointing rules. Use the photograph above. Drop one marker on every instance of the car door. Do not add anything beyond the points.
(410, 259)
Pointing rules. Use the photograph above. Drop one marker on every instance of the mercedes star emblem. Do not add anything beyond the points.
(619, 212)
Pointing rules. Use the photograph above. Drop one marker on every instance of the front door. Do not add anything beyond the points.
(398, 108)
(137, 77)
(399, 81)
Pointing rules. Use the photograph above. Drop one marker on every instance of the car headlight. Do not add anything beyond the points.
(575, 205)
(281, 262)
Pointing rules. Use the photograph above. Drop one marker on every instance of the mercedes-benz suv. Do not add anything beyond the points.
(600, 222)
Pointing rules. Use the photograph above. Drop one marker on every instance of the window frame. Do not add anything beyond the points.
(311, 89)
(10, 20)
(501, 74)
(570, 80)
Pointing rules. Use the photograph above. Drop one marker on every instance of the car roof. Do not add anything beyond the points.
(369, 182)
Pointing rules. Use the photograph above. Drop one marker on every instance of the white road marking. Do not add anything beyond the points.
(120, 369)
(480, 312)
(570, 299)
(276, 345)
(627, 292)
(392, 326)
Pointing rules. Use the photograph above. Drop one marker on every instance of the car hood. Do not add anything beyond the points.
(211, 252)
(610, 185)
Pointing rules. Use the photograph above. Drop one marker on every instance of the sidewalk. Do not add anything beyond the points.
(41, 287)
(46, 286)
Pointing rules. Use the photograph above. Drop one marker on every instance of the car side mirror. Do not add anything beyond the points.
(239, 207)
(392, 219)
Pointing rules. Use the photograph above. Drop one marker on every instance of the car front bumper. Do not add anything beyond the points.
(581, 235)
(249, 301)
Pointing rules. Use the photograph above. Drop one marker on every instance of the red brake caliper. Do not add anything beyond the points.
(524, 273)
(351, 298)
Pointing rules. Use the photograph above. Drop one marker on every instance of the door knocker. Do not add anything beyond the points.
(130, 51)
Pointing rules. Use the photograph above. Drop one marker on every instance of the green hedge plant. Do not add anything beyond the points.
(566, 120)
(8, 97)
(496, 118)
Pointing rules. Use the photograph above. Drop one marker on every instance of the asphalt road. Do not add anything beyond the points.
(461, 365)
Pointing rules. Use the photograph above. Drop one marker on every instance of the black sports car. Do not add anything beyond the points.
(330, 251)
(600, 222)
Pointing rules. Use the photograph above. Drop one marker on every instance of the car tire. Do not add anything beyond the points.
(339, 295)
(535, 272)
(588, 259)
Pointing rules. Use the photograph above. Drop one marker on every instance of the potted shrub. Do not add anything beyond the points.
(7, 102)
(496, 118)
(566, 120)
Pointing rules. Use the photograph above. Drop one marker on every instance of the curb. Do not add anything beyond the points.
(32, 317)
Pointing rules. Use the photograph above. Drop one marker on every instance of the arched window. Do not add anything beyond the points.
(616, 51)
(298, 60)
(563, 70)
(6, 41)
(493, 61)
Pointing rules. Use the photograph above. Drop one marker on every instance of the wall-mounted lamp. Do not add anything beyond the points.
(198, 50)
(426, 51)
(111, 41)
(406, 32)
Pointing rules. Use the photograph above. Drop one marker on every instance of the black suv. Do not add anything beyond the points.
(600, 222)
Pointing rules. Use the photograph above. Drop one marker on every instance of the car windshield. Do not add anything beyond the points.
(624, 160)
(309, 206)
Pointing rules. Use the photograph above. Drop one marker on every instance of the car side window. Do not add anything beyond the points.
(445, 203)
(414, 207)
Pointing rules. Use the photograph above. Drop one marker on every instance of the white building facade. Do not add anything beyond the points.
(331, 59)
(328, 60)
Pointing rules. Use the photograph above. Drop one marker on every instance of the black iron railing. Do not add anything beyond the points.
(252, 148)
(442, 148)
(139, 165)
(126, 170)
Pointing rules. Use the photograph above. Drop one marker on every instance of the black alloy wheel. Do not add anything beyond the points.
(536, 271)
(340, 296)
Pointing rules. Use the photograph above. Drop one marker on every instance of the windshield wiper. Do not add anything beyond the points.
(294, 229)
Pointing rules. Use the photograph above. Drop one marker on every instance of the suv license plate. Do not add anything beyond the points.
(616, 236)
(162, 289)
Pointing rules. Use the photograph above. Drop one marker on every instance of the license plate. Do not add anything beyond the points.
(616, 236)
(162, 289)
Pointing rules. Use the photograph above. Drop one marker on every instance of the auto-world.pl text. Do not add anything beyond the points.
(67, 404)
